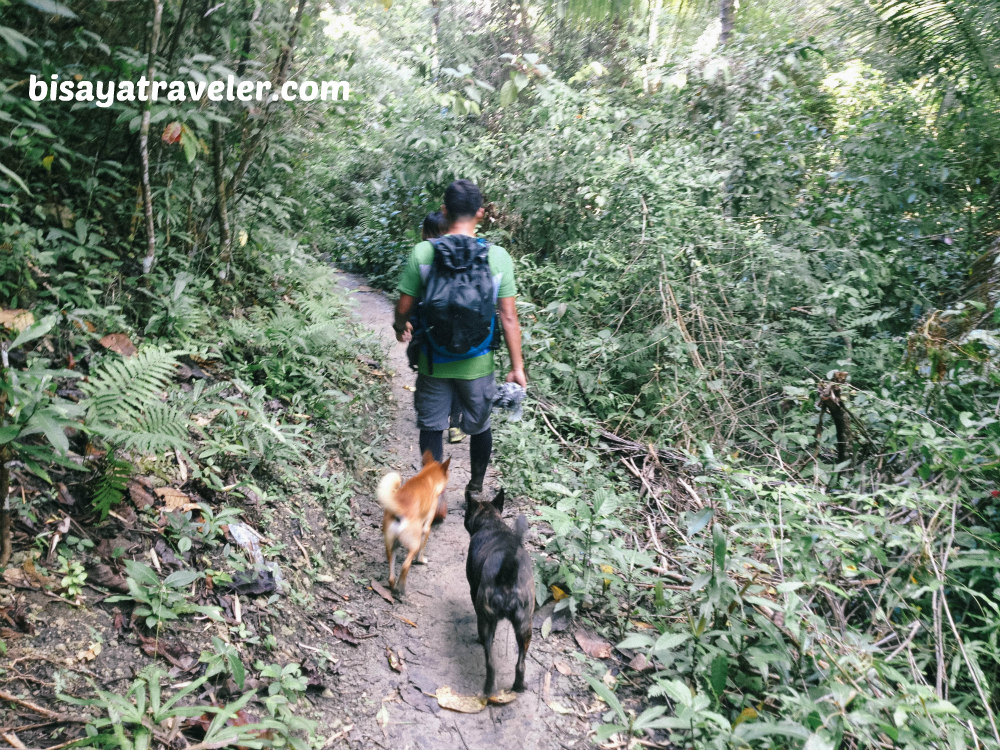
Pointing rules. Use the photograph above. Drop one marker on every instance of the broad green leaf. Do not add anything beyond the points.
(636, 640)
(719, 674)
(3, 170)
(669, 641)
(700, 521)
(508, 94)
(40, 328)
(608, 697)
(181, 578)
(51, 7)
(43, 422)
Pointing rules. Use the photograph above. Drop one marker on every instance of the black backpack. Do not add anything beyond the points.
(457, 311)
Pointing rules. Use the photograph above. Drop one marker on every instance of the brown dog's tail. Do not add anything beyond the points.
(387, 489)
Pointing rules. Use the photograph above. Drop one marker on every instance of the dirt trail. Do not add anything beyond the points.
(393, 709)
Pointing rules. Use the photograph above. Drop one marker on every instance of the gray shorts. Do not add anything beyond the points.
(433, 400)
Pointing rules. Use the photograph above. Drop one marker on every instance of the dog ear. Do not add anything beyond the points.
(498, 501)
(427, 457)
(446, 464)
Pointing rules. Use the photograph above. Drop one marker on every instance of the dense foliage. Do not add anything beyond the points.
(757, 257)
(211, 365)
(760, 292)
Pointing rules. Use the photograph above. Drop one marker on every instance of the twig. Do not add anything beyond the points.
(555, 431)
(40, 710)
(304, 553)
(906, 642)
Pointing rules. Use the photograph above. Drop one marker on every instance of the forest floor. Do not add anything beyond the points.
(373, 666)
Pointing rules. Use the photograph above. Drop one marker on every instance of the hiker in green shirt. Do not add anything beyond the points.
(448, 365)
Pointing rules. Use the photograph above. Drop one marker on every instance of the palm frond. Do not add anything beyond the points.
(957, 39)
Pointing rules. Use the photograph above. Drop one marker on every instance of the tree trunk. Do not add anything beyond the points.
(651, 42)
(6, 545)
(435, 32)
(5, 456)
(225, 238)
(147, 193)
(281, 69)
(175, 35)
(726, 20)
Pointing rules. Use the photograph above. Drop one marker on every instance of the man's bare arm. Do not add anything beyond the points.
(401, 325)
(512, 335)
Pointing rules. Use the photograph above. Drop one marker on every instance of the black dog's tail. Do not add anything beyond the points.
(520, 528)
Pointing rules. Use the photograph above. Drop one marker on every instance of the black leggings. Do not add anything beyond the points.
(480, 448)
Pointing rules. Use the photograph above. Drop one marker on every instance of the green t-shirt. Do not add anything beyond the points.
(411, 282)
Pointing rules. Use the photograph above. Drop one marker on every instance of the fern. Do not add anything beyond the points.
(109, 487)
(125, 405)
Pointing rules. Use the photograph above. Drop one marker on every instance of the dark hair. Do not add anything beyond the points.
(462, 199)
(434, 225)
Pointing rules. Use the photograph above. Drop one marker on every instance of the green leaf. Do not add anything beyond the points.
(237, 669)
(40, 328)
(718, 674)
(142, 573)
(636, 640)
(719, 547)
(51, 7)
(608, 697)
(42, 422)
(3, 170)
(508, 94)
(181, 579)
(17, 41)
(700, 521)
(190, 145)
(669, 641)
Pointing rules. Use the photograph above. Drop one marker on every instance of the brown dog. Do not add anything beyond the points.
(409, 511)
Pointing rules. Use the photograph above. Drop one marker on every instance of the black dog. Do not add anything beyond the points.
(500, 579)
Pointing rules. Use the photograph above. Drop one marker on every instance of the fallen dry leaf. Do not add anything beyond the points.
(503, 697)
(140, 497)
(562, 667)
(465, 704)
(559, 708)
(16, 320)
(89, 654)
(26, 577)
(557, 593)
(593, 646)
(344, 634)
(120, 343)
(394, 660)
(174, 499)
(409, 622)
(640, 663)
(382, 718)
(382, 591)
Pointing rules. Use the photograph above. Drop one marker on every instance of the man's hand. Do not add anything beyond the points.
(401, 322)
(512, 335)
(517, 376)
(406, 334)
